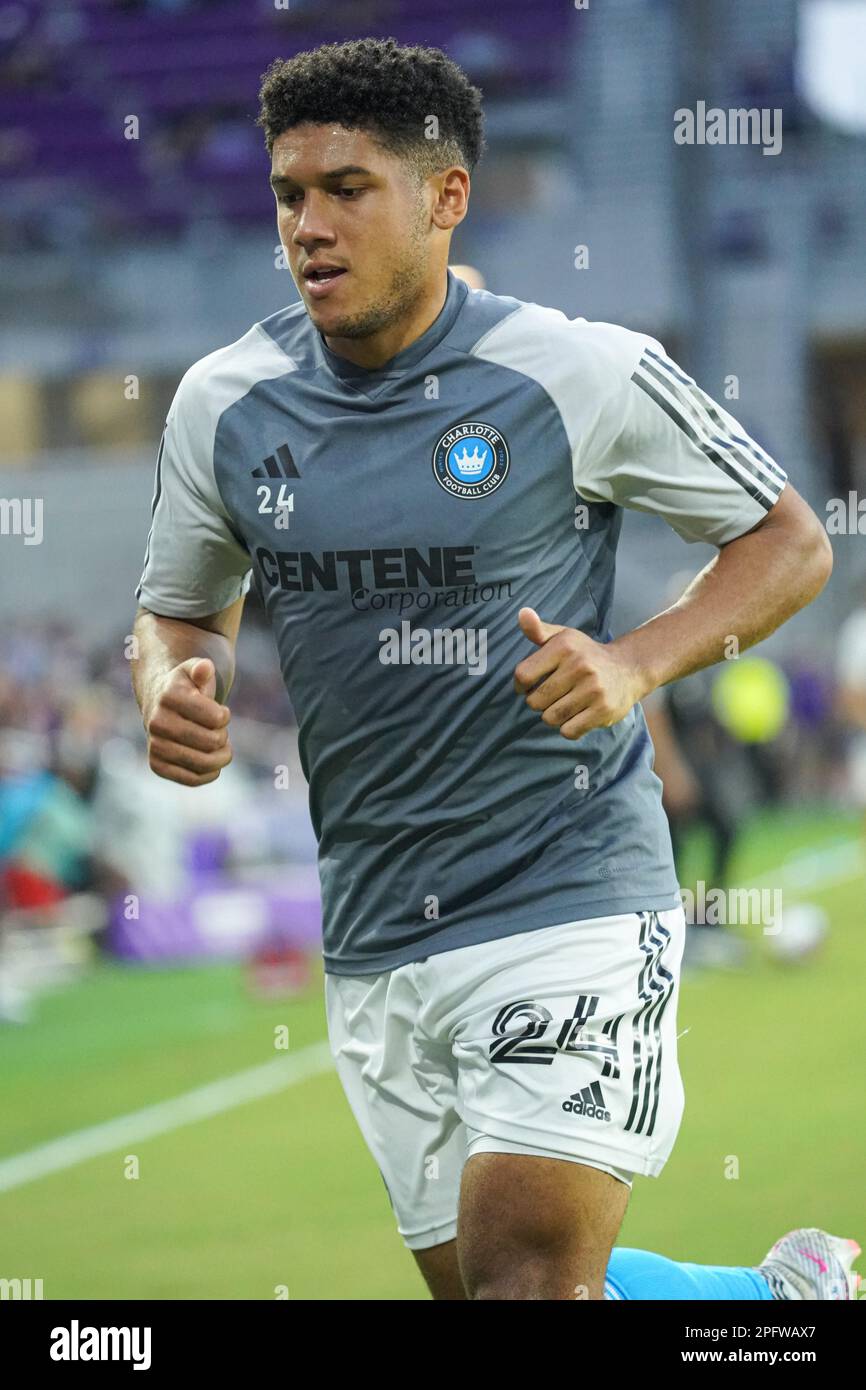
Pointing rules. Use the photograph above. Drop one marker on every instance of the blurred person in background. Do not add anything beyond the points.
(471, 275)
(684, 732)
(691, 750)
(53, 880)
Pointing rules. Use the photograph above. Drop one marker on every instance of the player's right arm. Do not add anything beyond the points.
(181, 677)
(191, 595)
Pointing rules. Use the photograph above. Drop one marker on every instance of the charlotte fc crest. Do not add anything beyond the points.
(471, 460)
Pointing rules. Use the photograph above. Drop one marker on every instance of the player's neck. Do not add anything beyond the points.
(379, 348)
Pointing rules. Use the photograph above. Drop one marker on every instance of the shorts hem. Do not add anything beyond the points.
(425, 1240)
(607, 1153)
(490, 1144)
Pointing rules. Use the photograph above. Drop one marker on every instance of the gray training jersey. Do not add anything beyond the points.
(396, 520)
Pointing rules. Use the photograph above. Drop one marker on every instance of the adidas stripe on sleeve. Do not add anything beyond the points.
(662, 445)
(194, 565)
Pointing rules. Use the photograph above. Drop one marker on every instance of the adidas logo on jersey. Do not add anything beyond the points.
(279, 464)
(589, 1102)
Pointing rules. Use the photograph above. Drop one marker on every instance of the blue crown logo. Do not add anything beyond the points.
(472, 466)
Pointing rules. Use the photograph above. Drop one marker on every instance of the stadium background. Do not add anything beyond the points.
(171, 1126)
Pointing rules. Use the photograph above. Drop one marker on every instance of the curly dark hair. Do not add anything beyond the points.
(385, 88)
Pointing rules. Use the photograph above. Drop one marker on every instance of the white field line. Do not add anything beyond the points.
(167, 1115)
(818, 868)
(836, 863)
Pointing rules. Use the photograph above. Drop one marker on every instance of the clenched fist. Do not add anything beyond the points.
(577, 683)
(187, 729)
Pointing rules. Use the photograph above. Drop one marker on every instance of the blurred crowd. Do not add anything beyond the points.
(73, 73)
(84, 823)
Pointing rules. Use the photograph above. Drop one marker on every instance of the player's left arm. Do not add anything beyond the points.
(750, 588)
(680, 455)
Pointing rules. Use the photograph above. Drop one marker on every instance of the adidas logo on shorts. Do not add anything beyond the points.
(589, 1102)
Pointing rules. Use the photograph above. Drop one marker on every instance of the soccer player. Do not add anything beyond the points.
(427, 482)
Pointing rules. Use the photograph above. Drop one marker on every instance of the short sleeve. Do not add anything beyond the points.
(662, 445)
(194, 564)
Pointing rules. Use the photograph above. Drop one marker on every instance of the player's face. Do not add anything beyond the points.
(345, 203)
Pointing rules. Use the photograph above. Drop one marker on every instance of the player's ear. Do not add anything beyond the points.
(452, 197)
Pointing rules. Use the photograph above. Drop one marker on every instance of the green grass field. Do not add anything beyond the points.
(281, 1190)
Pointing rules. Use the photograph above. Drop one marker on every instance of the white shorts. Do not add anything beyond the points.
(560, 1041)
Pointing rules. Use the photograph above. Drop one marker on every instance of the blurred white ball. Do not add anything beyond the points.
(804, 928)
